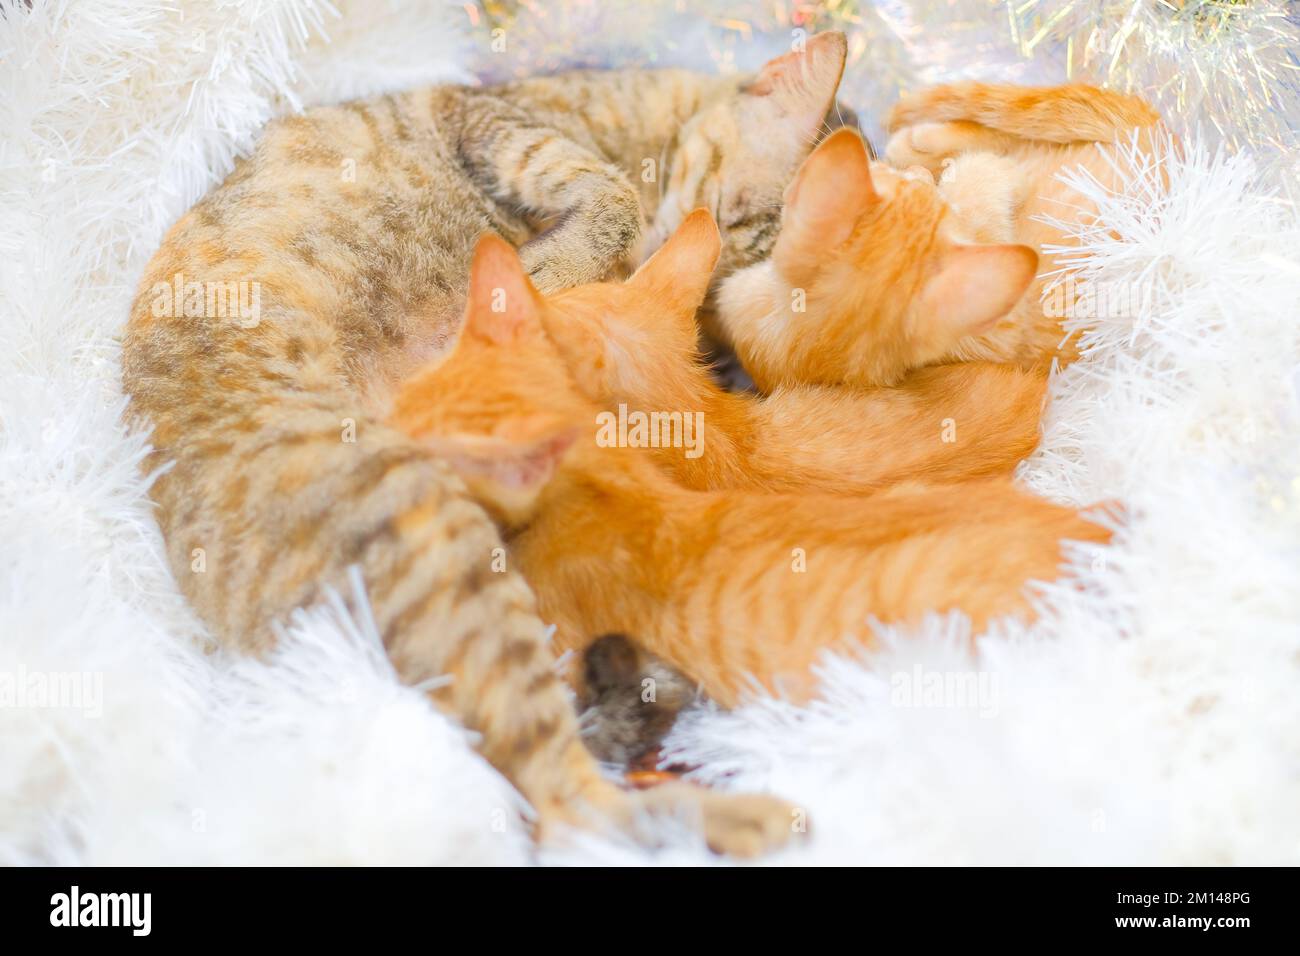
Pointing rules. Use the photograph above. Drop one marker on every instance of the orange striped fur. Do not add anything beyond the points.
(879, 269)
(720, 584)
(941, 424)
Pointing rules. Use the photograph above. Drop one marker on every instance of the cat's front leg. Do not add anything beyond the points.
(597, 210)
(591, 239)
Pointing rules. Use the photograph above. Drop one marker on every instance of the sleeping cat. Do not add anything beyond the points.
(942, 424)
(724, 585)
(898, 272)
(345, 238)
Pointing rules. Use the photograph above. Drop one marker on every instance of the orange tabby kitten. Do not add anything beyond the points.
(898, 272)
(719, 584)
(942, 424)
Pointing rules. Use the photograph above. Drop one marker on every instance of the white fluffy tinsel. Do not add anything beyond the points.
(1149, 716)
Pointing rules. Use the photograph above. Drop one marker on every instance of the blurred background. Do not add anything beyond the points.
(1228, 66)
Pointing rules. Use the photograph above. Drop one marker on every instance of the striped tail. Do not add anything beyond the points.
(274, 482)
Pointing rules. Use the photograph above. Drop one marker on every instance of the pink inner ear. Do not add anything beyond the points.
(507, 462)
(537, 465)
(804, 81)
(773, 73)
(978, 285)
(828, 196)
(502, 303)
(533, 466)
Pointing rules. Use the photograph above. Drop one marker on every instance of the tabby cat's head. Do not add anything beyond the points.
(737, 154)
(869, 278)
(504, 405)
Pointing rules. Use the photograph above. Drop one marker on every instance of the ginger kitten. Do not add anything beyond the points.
(878, 270)
(942, 424)
(723, 585)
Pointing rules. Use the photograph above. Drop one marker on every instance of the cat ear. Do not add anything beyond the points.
(829, 193)
(977, 285)
(522, 458)
(801, 85)
(678, 274)
(503, 305)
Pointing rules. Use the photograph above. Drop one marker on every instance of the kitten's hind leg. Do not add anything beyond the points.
(986, 193)
(550, 175)
(735, 824)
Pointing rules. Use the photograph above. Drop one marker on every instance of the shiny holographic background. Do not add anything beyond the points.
(1230, 68)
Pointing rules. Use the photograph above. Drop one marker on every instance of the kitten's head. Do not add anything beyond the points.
(736, 155)
(615, 338)
(499, 407)
(504, 405)
(870, 277)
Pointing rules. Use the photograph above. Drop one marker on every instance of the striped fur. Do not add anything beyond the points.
(941, 424)
(724, 585)
(351, 229)
(931, 259)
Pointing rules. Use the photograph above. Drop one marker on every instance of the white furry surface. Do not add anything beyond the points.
(1150, 717)
(117, 116)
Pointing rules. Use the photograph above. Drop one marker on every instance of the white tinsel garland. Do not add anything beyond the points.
(1230, 65)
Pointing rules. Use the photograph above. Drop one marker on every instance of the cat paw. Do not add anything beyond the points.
(928, 145)
(546, 275)
(736, 825)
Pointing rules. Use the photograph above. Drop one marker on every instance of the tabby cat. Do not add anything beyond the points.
(900, 272)
(273, 323)
(724, 585)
